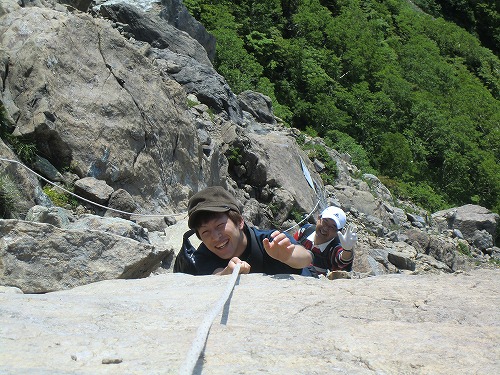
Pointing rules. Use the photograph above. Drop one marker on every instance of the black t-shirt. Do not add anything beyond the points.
(254, 254)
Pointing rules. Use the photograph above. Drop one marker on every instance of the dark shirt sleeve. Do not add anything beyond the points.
(336, 262)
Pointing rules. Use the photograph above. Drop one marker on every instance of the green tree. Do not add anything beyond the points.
(344, 143)
(488, 183)
(478, 17)
(394, 158)
(418, 94)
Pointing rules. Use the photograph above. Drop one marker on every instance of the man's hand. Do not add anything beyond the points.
(348, 238)
(280, 248)
(244, 267)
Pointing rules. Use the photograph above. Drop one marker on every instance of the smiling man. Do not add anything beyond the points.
(227, 240)
(332, 249)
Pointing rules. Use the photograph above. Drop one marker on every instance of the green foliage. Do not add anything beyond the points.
(494, 261)
(311, 132)
(464, 249)
(211, 114)
(488, 183)
(413, 95)
(4, 123)
(191, 103)
(429, 6)
(266, 87)
(275, 210)
(420, 193)
(233, 61)
(319, 152)
(59, 197)
(394, 157)
(296, 215)
(344, 143)
(24, 147)
(9, 196)
(233, 155)
(481, 18)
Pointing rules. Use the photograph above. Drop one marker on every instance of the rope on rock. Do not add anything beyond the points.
(304, 219)
(125, 212)
(202, 333)
(87, 200)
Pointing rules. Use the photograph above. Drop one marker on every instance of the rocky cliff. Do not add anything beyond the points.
(390, 324)
(124, 110)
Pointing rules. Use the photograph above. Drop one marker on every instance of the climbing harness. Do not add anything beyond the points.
(202, 333)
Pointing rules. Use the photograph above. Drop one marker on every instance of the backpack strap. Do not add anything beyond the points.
(307, 231)
(256, 256)
(185, 260)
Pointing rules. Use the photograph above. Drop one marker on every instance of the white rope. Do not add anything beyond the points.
(202, 333)
(304, 219)
(125, 212)
(89, 201)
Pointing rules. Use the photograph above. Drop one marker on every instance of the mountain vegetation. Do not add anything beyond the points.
(411, 90)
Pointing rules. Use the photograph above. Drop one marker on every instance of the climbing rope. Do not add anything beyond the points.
(86, 200)
(202, 333)
(203, 330)
(305, 218)
(125, 212)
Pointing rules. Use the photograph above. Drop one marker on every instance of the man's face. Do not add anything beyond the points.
(223, 237)
(325, 230)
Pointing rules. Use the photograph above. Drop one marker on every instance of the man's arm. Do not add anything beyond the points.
(282, 249)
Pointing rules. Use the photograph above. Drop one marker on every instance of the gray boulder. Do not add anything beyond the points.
(114, 225)
(201, 80)
(53, 215)
(7, 6)
(440, 248)
(17, 192)
(176, 14)
(81, 5)
(150, 28)
(401, 260)
(121, 204)
(482, 240)
(258, 105)
(467, 219)
(38, 257)
(95, 190)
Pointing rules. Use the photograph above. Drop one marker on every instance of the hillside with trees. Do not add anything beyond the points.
(409, 89)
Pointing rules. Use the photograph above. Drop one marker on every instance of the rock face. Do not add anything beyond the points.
(80, 95)
(178, 16)
(393, 324)
(127, 111)
(39, 257)
(155, 31)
